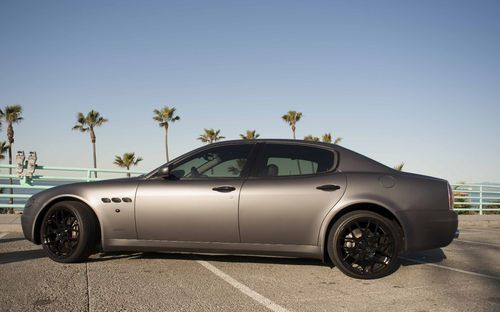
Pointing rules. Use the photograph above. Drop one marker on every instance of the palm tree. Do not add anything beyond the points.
(310, 137)
(11, 114)
(292, 117)
(165, 116)
(250, 135)
(4, 147)
(211, 135)
(327, 138)
(400, 166)
(126, 161)
(87, 124)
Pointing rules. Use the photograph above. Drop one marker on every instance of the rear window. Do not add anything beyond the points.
(292, 160)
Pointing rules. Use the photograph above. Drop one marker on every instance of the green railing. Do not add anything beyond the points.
(475, 198)
(46, 177)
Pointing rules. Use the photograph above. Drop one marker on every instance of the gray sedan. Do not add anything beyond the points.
(261, 197)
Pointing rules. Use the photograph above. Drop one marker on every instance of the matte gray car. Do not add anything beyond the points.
(262, 197)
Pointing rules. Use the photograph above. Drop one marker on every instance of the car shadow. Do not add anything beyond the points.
(429, 256)
(22, 255)
(13, 239)
(207, 257)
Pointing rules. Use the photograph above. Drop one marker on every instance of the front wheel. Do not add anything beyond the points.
(69, 232)
(364, 244)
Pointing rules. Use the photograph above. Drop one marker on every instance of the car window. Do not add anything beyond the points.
(219, 162)
(290, 160)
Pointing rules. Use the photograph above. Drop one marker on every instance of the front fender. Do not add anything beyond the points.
(116, 219)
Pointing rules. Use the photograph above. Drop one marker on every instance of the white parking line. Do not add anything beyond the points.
(475, 231)
(451, 269)
(268, 303)
(479, 243)
(2, 235)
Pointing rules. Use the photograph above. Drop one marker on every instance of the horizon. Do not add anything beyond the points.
(416, 83)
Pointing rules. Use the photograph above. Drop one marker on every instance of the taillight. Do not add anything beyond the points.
(450, 197)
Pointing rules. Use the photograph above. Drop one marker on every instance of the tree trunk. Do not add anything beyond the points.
(128, 173)
(10, 138)
(93, 139)
(293, 131)
(166, 141)
(11, 190)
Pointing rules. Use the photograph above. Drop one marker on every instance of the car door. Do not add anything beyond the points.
(290, 192)
(198, 202)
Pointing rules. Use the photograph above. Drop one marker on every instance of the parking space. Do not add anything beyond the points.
(462, 276)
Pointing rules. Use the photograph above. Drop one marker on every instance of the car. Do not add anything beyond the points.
(265, 197)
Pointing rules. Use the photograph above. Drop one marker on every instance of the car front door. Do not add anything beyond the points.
(198, 202)
(289, 194)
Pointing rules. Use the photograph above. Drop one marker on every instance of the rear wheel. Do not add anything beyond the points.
(69, 232)
(364, 244)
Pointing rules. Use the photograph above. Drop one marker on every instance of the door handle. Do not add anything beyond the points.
(328, 187)
(224, 189)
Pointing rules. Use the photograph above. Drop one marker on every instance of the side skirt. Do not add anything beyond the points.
(299, 251)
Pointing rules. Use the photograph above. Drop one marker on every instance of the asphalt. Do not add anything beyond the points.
(464, 276)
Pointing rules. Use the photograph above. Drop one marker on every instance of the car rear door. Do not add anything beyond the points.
(199, 202)
(289, 194)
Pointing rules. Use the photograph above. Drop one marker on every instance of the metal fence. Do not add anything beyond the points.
(45, 177)
(468, 198)
(479, 198)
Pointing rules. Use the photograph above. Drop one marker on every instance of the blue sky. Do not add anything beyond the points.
(413, 81)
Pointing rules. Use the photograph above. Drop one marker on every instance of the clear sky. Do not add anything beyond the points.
(413, 81)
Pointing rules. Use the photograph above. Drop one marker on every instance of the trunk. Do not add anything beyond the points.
(128, 173)
(166, 142)
(11, 200)
(293, 131)
(93, 139)
(95, 159)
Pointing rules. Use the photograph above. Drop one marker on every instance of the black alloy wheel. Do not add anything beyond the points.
(365, 245)
(69, 232)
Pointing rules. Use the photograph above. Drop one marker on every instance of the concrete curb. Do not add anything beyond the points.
(12, 223)
(492, 220)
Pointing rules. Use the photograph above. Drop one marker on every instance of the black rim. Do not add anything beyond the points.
(366, 246)
(61, 232)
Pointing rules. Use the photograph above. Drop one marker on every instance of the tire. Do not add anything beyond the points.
(365, 245)
(69, 232)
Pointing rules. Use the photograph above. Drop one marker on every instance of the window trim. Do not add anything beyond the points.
(259, 161)
(245, 172)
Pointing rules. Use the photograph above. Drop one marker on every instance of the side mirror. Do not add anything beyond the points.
(165, 172)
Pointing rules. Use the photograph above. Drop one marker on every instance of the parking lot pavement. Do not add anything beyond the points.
(461, 277)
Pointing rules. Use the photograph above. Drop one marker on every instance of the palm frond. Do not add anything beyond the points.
(327, 138)
(4, 147)
(292, 117)
(210, 135)
(310, 137)
(399, 167)
(250, 135)
(91, 120)
(13, 113)
(127, 160)
(165, 115)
